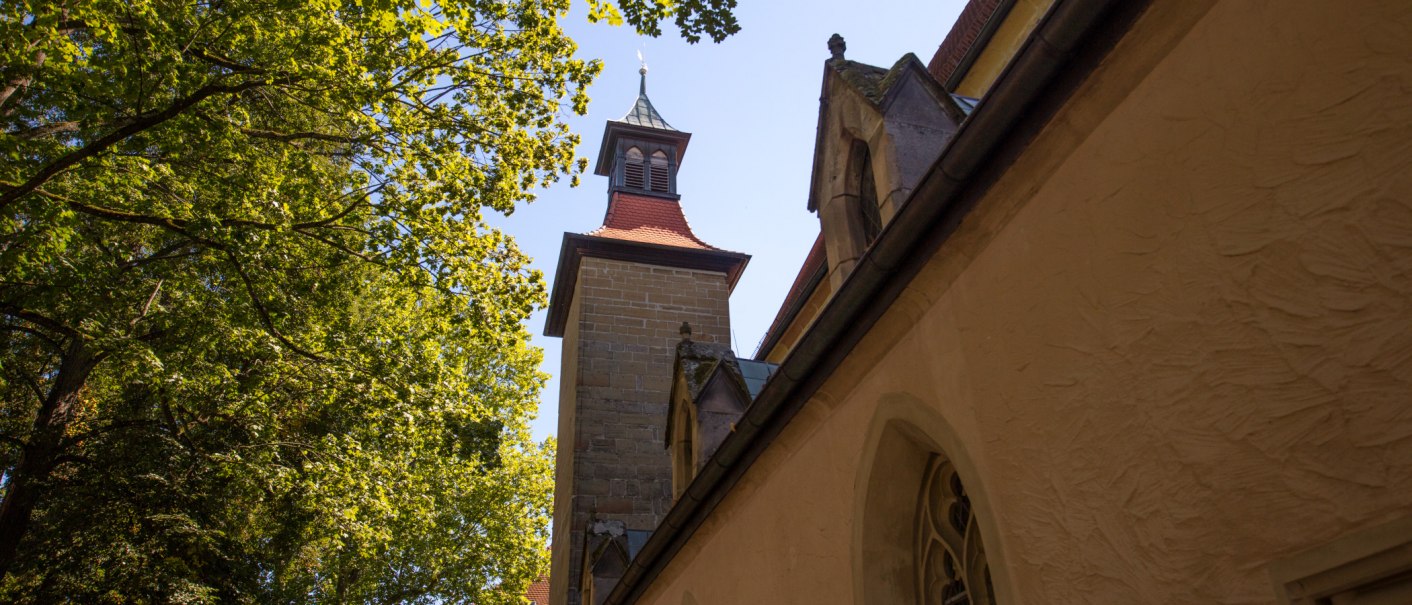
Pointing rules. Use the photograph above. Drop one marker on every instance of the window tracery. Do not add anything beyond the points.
(950, 565)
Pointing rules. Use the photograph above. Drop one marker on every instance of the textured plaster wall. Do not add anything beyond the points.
(1172, 343)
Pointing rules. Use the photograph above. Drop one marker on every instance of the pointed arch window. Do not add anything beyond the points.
(660, 177)
(950, 561)
(684, 448)
(869, 217)
(633, 169)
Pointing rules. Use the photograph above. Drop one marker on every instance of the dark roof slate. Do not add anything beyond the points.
(874, 82)
(755, 374)
(967, 104)
(643, 113)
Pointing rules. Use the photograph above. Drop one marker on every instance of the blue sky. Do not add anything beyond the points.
(751, 104)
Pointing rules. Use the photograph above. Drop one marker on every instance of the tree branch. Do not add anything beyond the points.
(264, 314)
(35, 333)
(38, 320)
(166, 253)
(35, 388)
(286, 137)
(45, 130)
(179, 225)
(148, 305)
(224, 62)
(113, 426)
(337, 246)
(132, 127)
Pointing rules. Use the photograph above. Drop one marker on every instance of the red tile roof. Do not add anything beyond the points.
(813, 263)
(961, 38)
(538, 593)
(640, 218)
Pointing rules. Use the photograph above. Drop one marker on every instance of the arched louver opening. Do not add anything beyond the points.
(633, 169)
(661, 180)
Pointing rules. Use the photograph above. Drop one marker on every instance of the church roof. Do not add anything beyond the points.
(967, 37)
(642, 122)
(650, 220)
(755, 374)
(642, 112)
(811, 274)
(538, 592)
(874, 82)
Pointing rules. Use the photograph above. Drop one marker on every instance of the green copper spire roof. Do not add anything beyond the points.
(642, 112)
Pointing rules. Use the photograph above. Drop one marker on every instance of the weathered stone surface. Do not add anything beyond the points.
(623, 331)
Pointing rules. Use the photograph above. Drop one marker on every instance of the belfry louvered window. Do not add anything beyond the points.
(633, 169)
(660, 179)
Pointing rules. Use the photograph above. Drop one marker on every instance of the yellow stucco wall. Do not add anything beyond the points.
(1002, 46)
(1170, 345)
(801, 322)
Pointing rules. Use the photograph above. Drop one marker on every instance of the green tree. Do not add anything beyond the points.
(258, 343)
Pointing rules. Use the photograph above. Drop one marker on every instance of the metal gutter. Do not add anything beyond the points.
(1067, 44)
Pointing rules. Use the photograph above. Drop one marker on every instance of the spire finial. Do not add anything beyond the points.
(642, 71)
(685, 331)
(836, 47)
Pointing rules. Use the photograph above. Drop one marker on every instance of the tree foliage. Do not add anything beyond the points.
(714, 18)
(258, 343)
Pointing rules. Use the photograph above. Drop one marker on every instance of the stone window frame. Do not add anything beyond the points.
(683, 449)
(863, 187)
(902, 437)
(1356, 568)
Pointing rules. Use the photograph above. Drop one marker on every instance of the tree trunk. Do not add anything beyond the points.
(41, 452)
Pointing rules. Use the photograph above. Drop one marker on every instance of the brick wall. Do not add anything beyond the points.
(618, 351)
(961, 38)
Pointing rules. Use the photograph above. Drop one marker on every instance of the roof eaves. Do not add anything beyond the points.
(575, 246)
(810, 275)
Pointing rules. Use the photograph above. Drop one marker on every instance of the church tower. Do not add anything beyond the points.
(620, 297)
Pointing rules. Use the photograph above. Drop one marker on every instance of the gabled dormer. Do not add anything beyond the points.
(711, 389)
(880, 130)
(641, 152)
